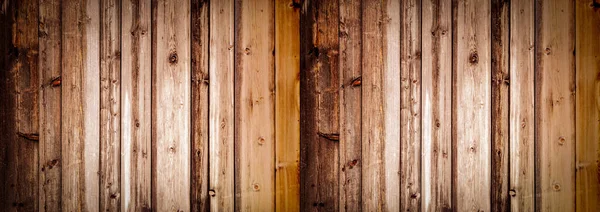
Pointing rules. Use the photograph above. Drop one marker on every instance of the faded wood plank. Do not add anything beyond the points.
(555, 105)
(110, 105)
(287, 105)
(255, 105)
(200, 95)
(522, 106)
(500, 104)
(471, 106)
(136, 108)
(80, 105)
(50, 164)
(410, 101)
(436, 187)
(171, 105)
(350, 40)
(587, 105)
(319, 103)
(221, 108)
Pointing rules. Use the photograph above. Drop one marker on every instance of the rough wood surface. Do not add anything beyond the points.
(521, 187)
(171, 105)
(136, 85)
(287, 105)
(555, 105)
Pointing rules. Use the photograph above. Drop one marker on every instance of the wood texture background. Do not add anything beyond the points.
(299, 105)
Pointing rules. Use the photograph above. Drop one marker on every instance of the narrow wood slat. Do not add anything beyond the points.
(471, 106)
(136, 111)
(587, 105)
(555, 105)
(436, 187)
(50, 163)
(350, 40)
(287, 105)
(200, 95)
(521, 106)
(171, 105)
(80, 105)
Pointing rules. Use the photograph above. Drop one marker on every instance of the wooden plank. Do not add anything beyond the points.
(410, 101)
(555, 105)
(471, 106)
(319, 103)
(436, 187)
(500, 104)
(255, 105)
(110, 105)
(171, 105)
(350, 105)
(80, 105)
(136, 106)
(200, 86)
(287, 105)
(587, 105)
(521, 106)
(50, 163)
(221, 108)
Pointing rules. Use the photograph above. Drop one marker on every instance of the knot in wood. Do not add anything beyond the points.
(173, 58)
(473, 58)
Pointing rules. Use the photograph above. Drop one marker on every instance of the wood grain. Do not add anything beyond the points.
(136, 108)
(171, 106)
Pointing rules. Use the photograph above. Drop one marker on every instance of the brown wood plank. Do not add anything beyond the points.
(587, 105)
(136, 109)
(200, 74)
(471, 106)
(287, 105)
(436, 105)
(171, 90)
(521, 106)
(110, 105)
(350, 40)
(50, 163)
(555, 105)
(319, 105)
(80, 105)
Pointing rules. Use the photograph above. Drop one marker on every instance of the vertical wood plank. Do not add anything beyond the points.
(471, 106)
(110, 105)
(255, 105)
(50, 163)
(588, 105)
(221, 109)
(436, 187)
(287, 105)
(350, 40)
(410, 101)
(136, 108)
(319, 105)
(171, 106)
(500, 104)
(200, 117)
(555, 105)
(521, 90)
(80, 105)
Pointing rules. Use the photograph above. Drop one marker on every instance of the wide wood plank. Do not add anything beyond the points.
(521, 106)
(171, 105)
(436, 105)
(50, 164)
(136, 108)
(555, 105)
(471, 106)
(588, 105)
(350, 40)
(287, 105)
(80, 105)
(221, 109)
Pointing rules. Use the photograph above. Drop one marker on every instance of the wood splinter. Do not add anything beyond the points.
(29, 136)
(330, 136)
(55, 82)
